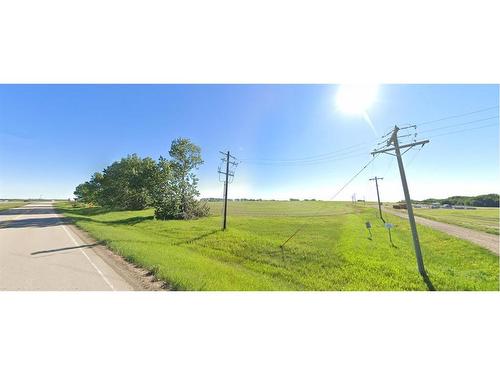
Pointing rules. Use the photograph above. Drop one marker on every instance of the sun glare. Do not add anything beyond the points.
(355, 99)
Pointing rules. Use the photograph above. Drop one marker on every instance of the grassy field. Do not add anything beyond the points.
(8, 205)
(332, 252)
(482, 219)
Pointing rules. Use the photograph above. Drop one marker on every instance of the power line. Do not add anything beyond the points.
(309, 162)
(355, 153)
(334, 155)
(333, 197)
(310, 158)
(448, 133)
(456, 116)
(444, 118)
(410, 162)
(465, 130)
(393, 140)
(460, 124)
(353, 177)
(314, 162)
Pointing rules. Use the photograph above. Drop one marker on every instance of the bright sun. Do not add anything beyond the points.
(355, 99)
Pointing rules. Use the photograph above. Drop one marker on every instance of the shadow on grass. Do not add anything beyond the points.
(197, 238)
(428, 282)
(129, 221)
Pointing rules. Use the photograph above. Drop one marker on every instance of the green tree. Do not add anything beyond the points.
(176, 196)
(89, 192)
(163, 201)
(82, 192)
(128, 183)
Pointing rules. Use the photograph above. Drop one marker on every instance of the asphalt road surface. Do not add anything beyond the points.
(39, 250)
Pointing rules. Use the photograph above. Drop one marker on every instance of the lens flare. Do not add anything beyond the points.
(356, 100)
(353, 99)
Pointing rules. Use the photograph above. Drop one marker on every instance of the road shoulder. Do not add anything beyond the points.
(139, 278)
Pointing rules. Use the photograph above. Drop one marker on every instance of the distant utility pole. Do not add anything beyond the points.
(229, 160)
(393, 140)
(378, 196)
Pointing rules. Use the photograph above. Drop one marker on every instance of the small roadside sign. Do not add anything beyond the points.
(388, 227)
(368, 226)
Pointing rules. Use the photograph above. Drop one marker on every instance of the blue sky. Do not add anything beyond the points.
(53, 137)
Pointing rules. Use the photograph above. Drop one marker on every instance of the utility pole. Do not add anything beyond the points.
(378, 195)
(226, 184)
(393, 140)
(229, 160)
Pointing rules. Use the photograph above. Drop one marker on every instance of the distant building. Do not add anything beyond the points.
(400, 206)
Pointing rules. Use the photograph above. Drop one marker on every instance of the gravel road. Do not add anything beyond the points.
(486, 240)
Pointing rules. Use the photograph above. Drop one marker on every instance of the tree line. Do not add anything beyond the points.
(135, 183)
(486, 200)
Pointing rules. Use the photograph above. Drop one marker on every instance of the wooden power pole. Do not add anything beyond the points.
(229, 160)
(393, 140)
(378, 196)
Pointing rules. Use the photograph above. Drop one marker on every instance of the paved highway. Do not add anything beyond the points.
(40, 251)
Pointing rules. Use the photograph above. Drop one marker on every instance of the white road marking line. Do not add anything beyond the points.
(86, 256)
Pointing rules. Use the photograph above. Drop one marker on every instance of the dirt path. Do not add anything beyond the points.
(486, 240)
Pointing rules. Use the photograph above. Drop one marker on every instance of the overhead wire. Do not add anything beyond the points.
(389, 132)
(347, 152)
(457, 116)
(315, 162)
(410, 162)
(352, 178)
(308, 158)
(334, 155)
(333, 197)
(344, 153)
(459, 124)
(352, 151)
(465, 130)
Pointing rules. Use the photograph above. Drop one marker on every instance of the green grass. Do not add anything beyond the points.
(8, 205)
(332, 252)
(481, 219)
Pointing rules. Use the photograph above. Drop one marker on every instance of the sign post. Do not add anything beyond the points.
(368, 226)
(389, 226)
